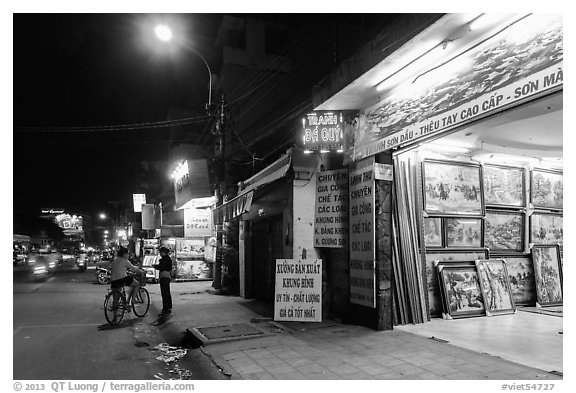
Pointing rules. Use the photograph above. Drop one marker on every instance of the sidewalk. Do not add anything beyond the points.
(241, 339)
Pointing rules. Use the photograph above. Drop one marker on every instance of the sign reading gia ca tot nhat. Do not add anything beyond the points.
(323, 131)
(298, 291)
(362, 234)
(331, 210)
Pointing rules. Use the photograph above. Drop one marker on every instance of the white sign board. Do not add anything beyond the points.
(298, 293)
(197, 222)
(362, 234)
(139, 200)
(331, 210)
(383, 172)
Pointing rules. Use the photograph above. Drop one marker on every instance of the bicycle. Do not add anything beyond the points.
(139, 303)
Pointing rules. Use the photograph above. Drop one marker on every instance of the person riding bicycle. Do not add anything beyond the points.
(120, 278)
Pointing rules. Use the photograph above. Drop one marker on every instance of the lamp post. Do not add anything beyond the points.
(164, 34)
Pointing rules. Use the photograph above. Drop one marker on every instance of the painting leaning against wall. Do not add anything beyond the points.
(495, 284)
(548, 275)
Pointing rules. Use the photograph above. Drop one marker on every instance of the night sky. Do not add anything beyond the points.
(87, 70)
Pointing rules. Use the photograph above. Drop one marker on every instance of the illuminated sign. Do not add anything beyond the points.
(323, 131)
(139, 200)
(181, 175)
(52, 211)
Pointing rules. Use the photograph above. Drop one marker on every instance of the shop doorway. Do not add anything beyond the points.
(266, 248)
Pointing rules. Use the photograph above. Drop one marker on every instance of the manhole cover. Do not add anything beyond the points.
(229, 331)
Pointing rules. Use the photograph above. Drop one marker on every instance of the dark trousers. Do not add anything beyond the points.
(165, 291)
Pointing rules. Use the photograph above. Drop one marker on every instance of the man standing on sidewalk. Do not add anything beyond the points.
(165, 268)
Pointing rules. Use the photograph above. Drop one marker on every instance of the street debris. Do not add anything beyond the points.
(170, 353)
(181, 373)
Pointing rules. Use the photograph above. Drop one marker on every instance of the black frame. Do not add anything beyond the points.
(532, 188)
(480, 191)
(442, 269)
(522, 231)
(487, 288)
(538, 292)
(509, 168)
(481, 230)
(541, 213)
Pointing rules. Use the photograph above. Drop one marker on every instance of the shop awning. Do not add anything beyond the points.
(243, 201)
(233, 208)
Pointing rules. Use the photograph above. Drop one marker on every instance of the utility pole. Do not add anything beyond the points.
(220, 162)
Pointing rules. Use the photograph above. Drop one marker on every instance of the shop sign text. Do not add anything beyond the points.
(331, 210)
(298, 290)
(323, 131)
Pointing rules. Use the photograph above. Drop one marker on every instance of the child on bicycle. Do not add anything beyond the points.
(120, 278)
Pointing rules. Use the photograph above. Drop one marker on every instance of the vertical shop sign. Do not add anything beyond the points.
(362, 234)
(139, 200)
(148, 216)
(197, 222)
(298, 291)
(331, 211)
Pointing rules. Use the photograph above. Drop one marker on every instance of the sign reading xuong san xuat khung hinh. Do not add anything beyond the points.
(362, 234)
(298, 291)
(331, 210)
(323, 131)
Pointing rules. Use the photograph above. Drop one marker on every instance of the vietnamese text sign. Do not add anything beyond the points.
(362, 234)
(323, 131)
(331, 212)
(139, 200)
(522, 89)
(197, 222)
(298, 293)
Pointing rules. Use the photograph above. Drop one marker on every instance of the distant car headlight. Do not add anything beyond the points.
(51, 264)
(39, 269)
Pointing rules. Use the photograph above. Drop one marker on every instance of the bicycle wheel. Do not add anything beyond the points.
(141, 302)
(114, 313)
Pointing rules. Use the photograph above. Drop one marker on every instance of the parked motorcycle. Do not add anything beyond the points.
(103, 275)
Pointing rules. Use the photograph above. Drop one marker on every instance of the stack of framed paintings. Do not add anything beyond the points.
(548, 275)
(461, 291)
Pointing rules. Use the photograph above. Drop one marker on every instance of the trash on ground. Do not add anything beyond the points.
(170, 353)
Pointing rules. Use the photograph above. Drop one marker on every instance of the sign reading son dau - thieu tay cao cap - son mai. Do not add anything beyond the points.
(323, 131)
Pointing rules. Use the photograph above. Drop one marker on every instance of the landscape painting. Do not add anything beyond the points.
(504, 231)
(495, 285)
(432, 231)
(547, 189)
(463, 232)
(461, 289)
(504, 186)
(452, 188)
(548, 275)
(546, 228)
(521, 275)
(446, 257)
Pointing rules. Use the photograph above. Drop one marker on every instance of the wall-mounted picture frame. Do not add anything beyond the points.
(521, 275)
(452, 188)
(495, 285)
(462, 295)
(548, 275)
(433, 232)
(546, 189)
(504, 186)
(546, 228)
(504, 231)
(463, 232)
(447, 257)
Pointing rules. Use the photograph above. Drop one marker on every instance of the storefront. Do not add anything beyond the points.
(462, 158)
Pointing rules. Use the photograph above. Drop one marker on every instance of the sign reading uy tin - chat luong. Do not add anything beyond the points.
(298, 293)
(331, 210)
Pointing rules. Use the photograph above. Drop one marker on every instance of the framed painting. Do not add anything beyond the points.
(463, 232)
(521, 276)
(504, 231)
(546, 228)
(462, 295)
(504, 186)
(548, 275)
(452, 188)
(446, 257)
(432, 231)
(495, 285)
(547, 189)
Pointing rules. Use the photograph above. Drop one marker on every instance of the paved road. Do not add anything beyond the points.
(60, 333)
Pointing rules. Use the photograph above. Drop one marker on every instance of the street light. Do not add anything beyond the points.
(164, 34)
